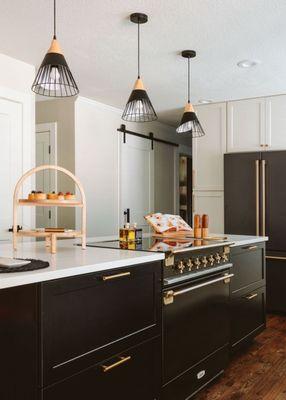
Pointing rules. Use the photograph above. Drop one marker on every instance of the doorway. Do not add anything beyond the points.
(185, 187)
(46, 181)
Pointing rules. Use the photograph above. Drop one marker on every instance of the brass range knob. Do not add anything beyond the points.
(204, 261)
(180, 266)
(197, 263)
(217, 258)
(224, 257)
(211, 260)
(190, 264)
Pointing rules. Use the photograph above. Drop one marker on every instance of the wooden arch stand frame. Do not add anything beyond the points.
(51, 237)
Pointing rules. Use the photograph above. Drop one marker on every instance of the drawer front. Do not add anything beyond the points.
(248, 267)
(275, 286)
(197, 377)
(248, 316)
(133, 374)
(88, 318)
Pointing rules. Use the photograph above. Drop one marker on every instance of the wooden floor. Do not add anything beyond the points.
(259, 373)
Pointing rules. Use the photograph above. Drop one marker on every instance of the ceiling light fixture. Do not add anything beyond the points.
(205, 101)
(247, 63)
(139, 107)
(190, 123)
(54, 78)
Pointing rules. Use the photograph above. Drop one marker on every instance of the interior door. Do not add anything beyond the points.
(275, 193)
(241, 191)
(11, 156)
(137, 180)
(45, 180)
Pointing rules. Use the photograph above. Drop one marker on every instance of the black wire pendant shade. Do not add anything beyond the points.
(54, 78)
(189, 123)
(139, 107)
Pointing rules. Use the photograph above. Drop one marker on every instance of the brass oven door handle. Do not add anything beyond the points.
(170, 294)
(251, 296)
(122, 360)
(257, 197)
(263, 197)
(115, 276)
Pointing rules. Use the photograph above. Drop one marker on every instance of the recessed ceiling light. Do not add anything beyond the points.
(247, 63)
(205, 101)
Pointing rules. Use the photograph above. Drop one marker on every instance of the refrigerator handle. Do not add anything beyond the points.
(257, 197)
(263, 197)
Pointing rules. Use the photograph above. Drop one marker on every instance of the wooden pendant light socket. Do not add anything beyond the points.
(55, 47)
(139, 84)
(189, 108)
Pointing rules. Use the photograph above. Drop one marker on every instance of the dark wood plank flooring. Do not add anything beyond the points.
(259, 372)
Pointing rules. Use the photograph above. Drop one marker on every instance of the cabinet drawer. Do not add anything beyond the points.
(197, 377)
(133, 374)
(89, 318)
(248, 267)
(247, 316)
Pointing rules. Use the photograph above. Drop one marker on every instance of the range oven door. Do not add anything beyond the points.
(195, 322)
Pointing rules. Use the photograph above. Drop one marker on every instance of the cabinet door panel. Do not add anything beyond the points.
(87, 319)
(240, 193)
(137, 377)
(247, 316)
(275, 122)
(246, 125)
(210, 203)
(208, 150)
(275, 285)
(275, 200)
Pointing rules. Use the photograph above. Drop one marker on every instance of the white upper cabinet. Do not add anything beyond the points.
(208, 150)
(246, 125)
(276, 122)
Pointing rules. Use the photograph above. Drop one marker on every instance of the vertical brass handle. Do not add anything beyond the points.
(122, 360)
(257, 196)
(263, 197)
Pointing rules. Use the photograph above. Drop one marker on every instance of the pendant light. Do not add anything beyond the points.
(189, 122)
(54, 77)
(139, 107)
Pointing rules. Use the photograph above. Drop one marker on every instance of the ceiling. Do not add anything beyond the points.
(99, 44)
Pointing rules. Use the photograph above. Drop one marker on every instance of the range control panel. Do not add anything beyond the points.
(187, 263)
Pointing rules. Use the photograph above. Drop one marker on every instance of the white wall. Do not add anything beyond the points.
(16, 78)
(97, 160)
(62, 112)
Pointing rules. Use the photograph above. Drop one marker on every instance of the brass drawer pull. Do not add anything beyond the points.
(121, 275)
(121, 361)
(275, 258)
(250, 248)
(251, 296)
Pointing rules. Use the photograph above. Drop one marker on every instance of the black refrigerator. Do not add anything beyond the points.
(255, 204)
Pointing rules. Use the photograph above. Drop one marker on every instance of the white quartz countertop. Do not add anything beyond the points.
(70, 260)
(241, 240)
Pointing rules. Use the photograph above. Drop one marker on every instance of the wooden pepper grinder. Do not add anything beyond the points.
(197, 226)
(205, 226)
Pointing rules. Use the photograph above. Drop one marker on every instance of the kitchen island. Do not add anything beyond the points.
(91, 323)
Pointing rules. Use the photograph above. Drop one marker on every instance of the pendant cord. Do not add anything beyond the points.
(138, 49)
(189, 80)
(55, 15)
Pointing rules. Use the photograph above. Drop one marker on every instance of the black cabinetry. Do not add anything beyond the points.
(18, 343)
(101, 335)
(248, 316)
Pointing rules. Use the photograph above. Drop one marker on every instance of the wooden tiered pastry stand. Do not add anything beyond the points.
(51, 237)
